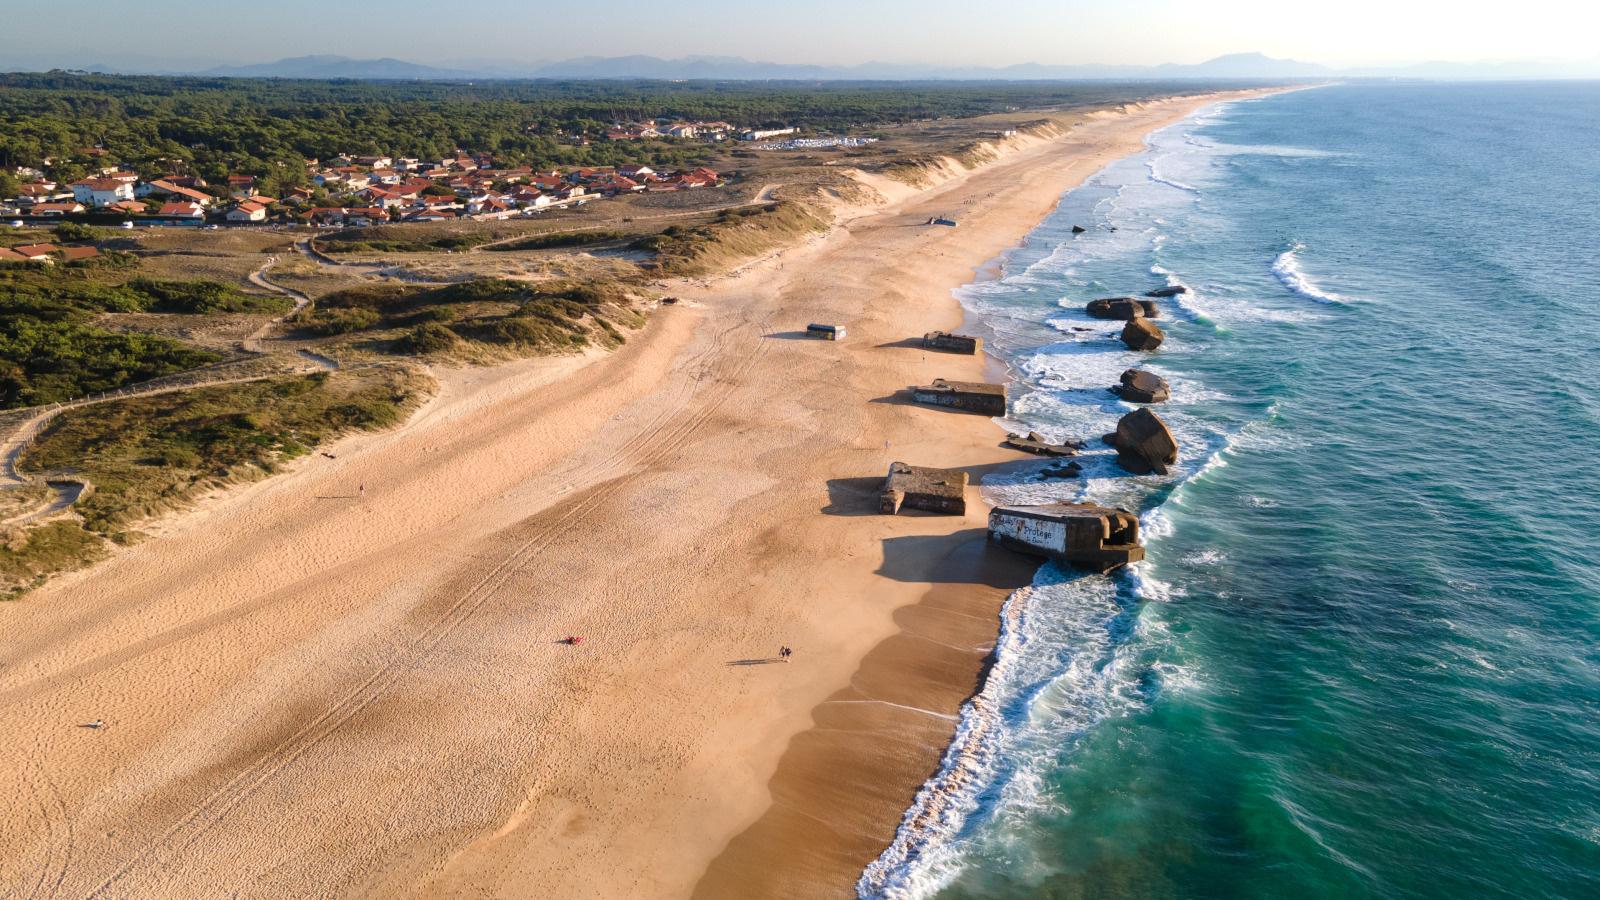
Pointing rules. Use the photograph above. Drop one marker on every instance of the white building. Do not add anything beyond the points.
(763, 135)
(248, 212)
(102, 192)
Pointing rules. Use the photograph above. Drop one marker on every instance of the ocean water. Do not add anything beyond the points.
(1363, 656)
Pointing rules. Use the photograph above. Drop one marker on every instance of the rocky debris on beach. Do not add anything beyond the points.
(1139, 386)
(1173, 291)
(1067, 469)
(1121, 308)
(924, 488)
(1078, 229)
(1143, 443)
(1142, 334)
(1034, 442)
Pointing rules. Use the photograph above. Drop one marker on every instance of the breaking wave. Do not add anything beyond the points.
(1287, 268)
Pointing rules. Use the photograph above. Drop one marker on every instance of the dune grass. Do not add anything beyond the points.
(486, 315)
(150, 454)
(732, 236)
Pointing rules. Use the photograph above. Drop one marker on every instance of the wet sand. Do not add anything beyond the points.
(310, 692)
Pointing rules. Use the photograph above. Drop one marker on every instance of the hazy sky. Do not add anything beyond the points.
(974, 32)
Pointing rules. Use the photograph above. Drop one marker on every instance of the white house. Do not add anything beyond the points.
(102, 192)
(163, 189)
(183, 209)
(248, 212)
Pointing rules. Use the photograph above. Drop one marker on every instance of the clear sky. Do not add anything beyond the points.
(948, 32)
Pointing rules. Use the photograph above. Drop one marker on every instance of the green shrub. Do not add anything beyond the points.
(427, 338)
(329, 322)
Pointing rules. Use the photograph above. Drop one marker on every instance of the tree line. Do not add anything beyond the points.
(268, 127)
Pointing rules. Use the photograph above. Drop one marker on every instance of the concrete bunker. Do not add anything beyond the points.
(952, 343)
(967, 396)
(1079, 534)
(924, 488)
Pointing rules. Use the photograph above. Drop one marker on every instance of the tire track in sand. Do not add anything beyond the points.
(216, 806)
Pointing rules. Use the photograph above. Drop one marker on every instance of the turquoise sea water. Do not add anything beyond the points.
(1363, 657)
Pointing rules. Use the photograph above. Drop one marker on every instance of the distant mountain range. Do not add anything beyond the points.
(385, 69)
(733, 68)
(1237, 66)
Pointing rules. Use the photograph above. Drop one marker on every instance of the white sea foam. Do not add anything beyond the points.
(1159, 178)
(1287, 268)
(1060, 668)
(1073, 651)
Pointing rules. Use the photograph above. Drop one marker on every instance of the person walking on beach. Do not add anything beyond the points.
(362, 490)
(784, 652)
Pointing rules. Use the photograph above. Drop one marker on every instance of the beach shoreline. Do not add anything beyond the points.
(843, 787)
(379, 682)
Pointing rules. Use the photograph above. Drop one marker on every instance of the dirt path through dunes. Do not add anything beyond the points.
(351, 680)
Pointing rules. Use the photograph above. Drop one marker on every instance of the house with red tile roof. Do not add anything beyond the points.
(333, 215)
(102, 192)
(37, 252)
(73, 254)
(247, 211)
(163, 188)
(64, 208)
(182, 209)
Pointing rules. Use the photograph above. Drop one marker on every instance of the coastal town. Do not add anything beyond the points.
(360, 190)
(369, 189)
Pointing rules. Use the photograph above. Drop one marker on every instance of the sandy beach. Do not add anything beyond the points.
(308, 689)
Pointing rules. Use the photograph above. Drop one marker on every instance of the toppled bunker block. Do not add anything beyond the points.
(1143, 443)
(1142, 334)
(968, 396)
(952, 343)
(1034, 442)
(1121, 308)
(1139, 386)
(1080, 534)
(826, 332)
(920, 487)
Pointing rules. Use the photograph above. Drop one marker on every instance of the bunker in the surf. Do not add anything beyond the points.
(1142, 334)
(1143, 443)
(1121, 308)
(952, 343)
(967, 396)
(1036, 443)
(1139, 386)
(924, 488)
(1079, 534)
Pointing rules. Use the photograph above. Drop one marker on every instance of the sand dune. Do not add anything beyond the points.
(307, 691)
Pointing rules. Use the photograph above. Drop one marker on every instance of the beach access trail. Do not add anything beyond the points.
(307, 689)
